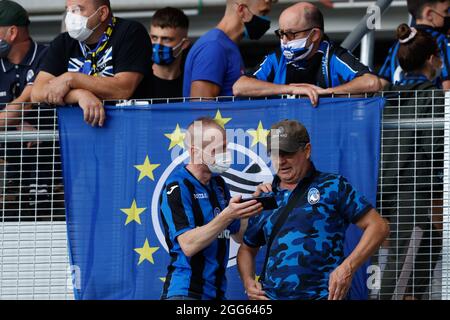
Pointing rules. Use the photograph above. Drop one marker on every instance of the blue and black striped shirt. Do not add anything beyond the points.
(185, 204)
(330, 67)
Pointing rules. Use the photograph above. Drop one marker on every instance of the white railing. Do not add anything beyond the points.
(414, 195)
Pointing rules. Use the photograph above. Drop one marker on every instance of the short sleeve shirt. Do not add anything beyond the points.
(128, 50)
(15, 77)
(214, 58)
(186, 203)
(331, 66)
(310, 244)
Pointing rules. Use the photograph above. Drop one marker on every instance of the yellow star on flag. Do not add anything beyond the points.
(133, 213)
(176, 138)
(162, 279)
(257, 278)
(220, 120)
(146, 253)
(146, 169)
(259, 135)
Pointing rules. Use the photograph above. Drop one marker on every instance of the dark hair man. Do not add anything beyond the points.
(169, 36)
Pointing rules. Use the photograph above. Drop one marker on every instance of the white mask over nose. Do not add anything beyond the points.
(76, 26)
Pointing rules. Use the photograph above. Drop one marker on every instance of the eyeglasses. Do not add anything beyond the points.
(290, 35)
(441, 15)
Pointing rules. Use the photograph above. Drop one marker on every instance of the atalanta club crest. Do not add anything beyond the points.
(313, 196)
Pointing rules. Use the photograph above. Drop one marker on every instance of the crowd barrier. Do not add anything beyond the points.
(413, 194)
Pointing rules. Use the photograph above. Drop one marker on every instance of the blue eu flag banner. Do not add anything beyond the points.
(113, 177)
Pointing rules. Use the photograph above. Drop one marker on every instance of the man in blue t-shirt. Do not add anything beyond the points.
(430, 16)
(199, 216)
(214, 63)
(307, 60)
(306, 256)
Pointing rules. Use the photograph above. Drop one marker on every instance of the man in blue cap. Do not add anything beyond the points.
(20, 59)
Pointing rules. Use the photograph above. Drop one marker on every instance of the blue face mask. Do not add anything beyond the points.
(164, 55)
(5, 48)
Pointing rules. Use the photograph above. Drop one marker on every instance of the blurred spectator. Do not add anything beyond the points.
(169, 36)
(419, 57)
(101, 57)
(412, 169)
(431, 16)
(20, 59)
(26, 176)
(307, 60)
(215, 63)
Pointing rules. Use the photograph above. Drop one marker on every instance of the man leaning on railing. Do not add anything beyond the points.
(101, 57)
(307, 59)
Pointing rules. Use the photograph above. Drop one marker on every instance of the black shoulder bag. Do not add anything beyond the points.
(299, 193)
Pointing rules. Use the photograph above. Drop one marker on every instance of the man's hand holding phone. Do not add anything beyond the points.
(242, 210)
(262, 188)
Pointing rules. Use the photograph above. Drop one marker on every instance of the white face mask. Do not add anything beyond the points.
(76, 26)
(221, 164)
(296, 49)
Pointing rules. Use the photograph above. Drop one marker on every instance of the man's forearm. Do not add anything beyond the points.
(246, 262)
(103, 87)
(370, 241)
(13, 113)
(39, 93)
(251, 87)
(73, 97)
(195, 240)
(359, 85)
(240, 235)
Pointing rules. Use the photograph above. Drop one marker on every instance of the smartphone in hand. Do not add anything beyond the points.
(268, 202)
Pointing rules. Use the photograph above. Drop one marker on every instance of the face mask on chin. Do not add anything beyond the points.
(77, 28)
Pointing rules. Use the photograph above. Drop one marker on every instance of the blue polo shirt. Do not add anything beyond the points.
(214, 58)
(310, 244)
(15, 77)
(185, 204)
(392, 71)
(331, 66)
